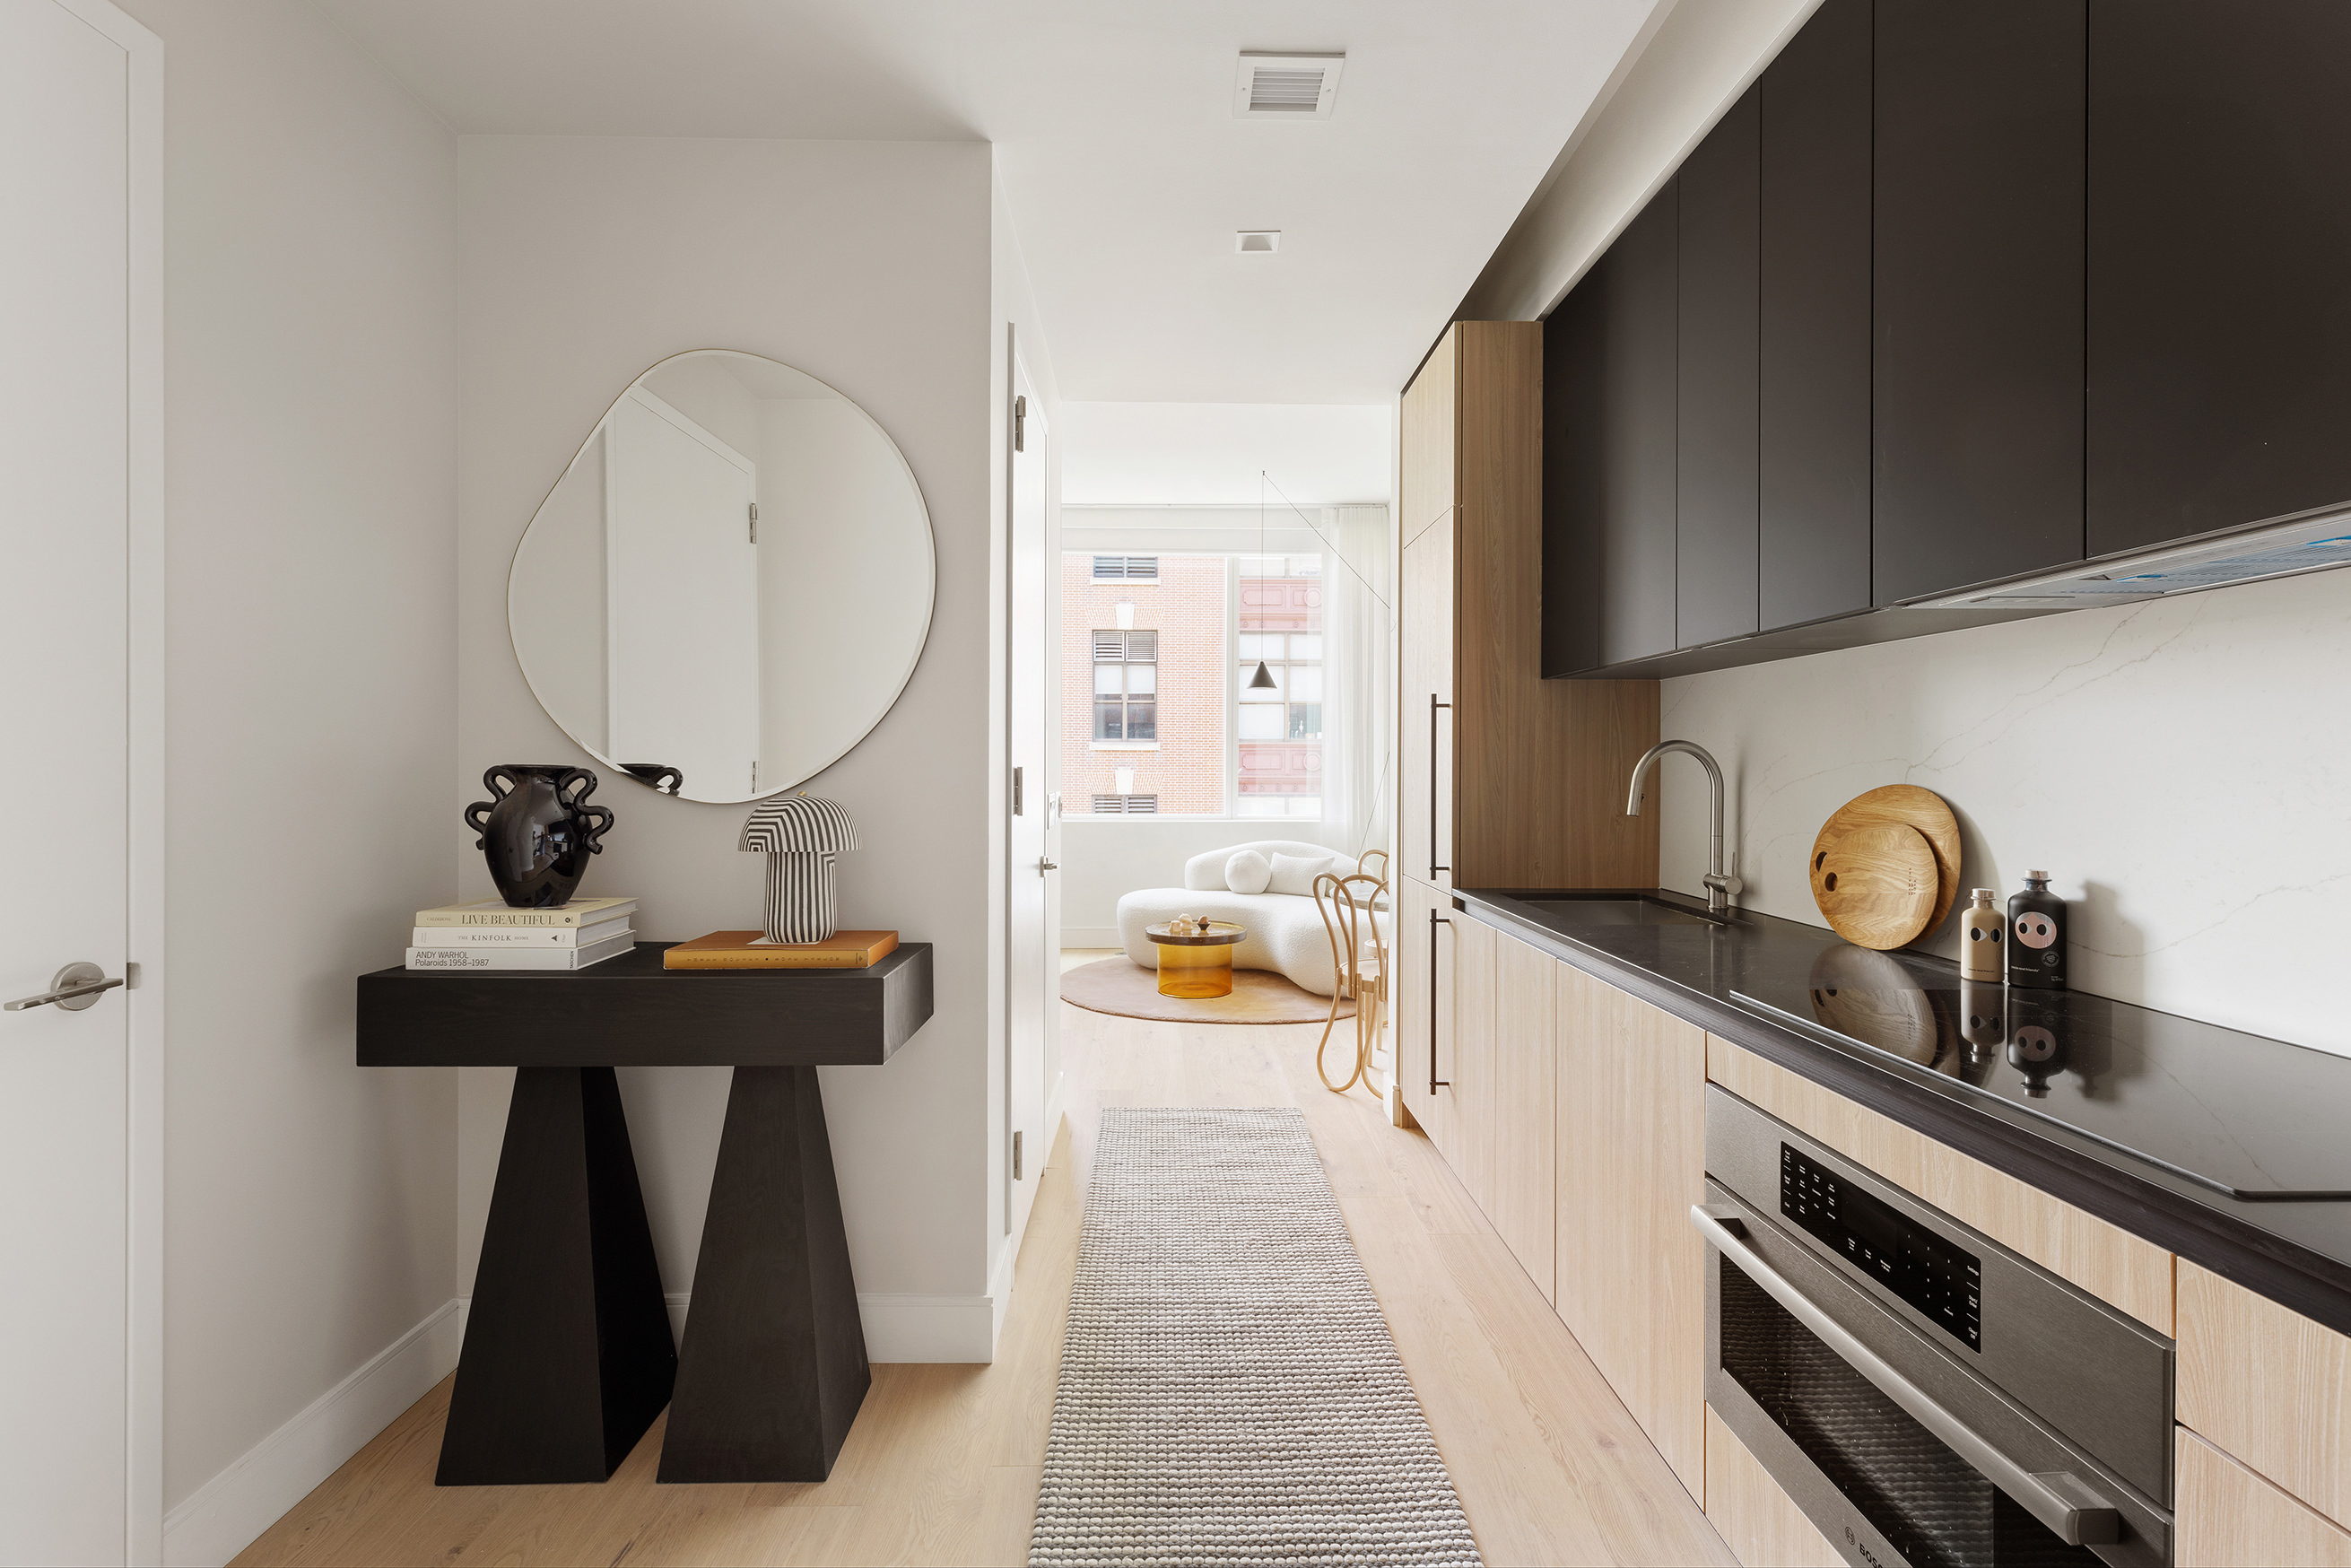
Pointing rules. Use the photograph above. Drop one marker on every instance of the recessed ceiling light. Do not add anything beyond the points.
(1286, 86)
(1257, 242)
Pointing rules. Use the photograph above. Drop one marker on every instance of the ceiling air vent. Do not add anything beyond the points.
(1257, 242)
(1286, 86)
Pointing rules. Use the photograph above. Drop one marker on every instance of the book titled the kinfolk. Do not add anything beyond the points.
(492, 913)
(518, 935)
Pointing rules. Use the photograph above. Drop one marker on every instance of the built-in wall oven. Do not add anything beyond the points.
(1924, 1395)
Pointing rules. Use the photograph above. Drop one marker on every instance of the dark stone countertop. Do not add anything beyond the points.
(2147, 1120)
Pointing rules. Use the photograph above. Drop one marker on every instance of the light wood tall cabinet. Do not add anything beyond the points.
(1630, 1272)
(1519, 783)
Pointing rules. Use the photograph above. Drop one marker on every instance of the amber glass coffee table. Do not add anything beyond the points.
(1193, 963)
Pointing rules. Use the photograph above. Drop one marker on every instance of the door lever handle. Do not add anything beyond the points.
(1044, 866)
(74, 987)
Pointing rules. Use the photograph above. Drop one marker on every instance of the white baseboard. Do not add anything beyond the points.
(1091, 936)
(227, 1512)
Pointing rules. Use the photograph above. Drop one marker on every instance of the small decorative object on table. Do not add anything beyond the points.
(800, 834)
(538, 830)
(491, 935)
(1195, 956)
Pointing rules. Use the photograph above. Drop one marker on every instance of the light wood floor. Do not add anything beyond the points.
(941, 1464)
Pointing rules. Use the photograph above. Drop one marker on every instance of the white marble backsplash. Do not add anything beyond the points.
(2181, 768)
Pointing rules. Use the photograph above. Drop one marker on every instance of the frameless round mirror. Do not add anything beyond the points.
(729, 585)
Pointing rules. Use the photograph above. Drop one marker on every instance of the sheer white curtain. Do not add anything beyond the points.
(1358, 772)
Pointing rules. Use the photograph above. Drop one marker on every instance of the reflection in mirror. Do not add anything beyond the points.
(730, 584)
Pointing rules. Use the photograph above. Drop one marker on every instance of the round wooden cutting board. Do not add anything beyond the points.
(1913, 808)
(1876, 885)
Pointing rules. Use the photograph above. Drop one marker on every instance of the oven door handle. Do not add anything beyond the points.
(2057, 1499)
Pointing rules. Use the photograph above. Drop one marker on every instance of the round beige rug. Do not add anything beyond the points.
(1123, 986)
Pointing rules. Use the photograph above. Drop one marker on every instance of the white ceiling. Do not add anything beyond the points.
(1126, 171)
(1210, 454)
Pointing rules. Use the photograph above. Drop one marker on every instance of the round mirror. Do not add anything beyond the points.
(729, 585)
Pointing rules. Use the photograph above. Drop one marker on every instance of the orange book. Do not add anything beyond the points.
(752, 950)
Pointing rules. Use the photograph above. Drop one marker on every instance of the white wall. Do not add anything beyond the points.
(311, 320)
(1694, 60)
(2179, 766)
(584, 260)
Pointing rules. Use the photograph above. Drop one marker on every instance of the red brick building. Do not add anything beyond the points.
(1146, 693)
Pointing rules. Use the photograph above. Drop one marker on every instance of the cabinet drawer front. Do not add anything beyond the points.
(2231, 1517)
(1760, 1522)
(2125, 1272)
(2269, 1385)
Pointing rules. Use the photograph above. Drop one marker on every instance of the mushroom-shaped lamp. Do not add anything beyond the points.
(800, 834)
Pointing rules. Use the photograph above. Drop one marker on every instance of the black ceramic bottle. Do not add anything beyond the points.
(2036, 935)
(538, 830)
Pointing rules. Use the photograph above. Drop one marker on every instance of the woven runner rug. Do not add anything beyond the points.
(1229, 1393)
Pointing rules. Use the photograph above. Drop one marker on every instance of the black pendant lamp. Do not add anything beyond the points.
(1263, 680)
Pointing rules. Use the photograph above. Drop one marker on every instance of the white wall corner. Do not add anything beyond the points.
(1090, 937)
(225, 1515)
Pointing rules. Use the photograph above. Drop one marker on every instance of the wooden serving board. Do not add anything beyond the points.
(1876, 885)
(1914, 808)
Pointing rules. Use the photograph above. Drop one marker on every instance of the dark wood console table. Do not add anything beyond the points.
(567, 1356)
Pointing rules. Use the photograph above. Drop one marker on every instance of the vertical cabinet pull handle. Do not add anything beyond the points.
(1433, 867)
(1435, 1082)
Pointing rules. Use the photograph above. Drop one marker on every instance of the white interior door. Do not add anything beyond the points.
(1032, 974)
(66, 499)
(682, 592)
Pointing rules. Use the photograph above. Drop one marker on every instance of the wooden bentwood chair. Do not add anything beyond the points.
(1351, 907)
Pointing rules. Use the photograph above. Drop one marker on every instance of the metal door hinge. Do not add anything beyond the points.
(1016, 1157)
(1016, 791)
(754, 776)
(1020, 424)
(755, 522)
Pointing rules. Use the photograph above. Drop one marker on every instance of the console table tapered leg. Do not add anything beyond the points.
(567, 1354)
(774, 1367)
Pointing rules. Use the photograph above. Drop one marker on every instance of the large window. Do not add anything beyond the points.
(1157, 656)
(1126, 686)
(1280, 727)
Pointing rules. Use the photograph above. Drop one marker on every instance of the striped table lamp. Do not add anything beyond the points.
(800, 834)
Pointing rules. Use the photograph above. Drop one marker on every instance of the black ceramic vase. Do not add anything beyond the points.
(537, 830)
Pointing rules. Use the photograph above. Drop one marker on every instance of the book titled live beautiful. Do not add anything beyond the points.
(493, 912)
(752, 950)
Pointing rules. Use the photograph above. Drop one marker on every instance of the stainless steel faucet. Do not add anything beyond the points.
(1722, 886)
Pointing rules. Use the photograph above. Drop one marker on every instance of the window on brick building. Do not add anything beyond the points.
(1280, 728)
(1126, 686)
(1126, 569)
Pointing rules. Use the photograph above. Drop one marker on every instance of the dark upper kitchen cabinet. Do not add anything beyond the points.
(1716, 499)
(1637, 436)
(1814, 251)
(1977, 337)
(1609, 454)
(2220, 265)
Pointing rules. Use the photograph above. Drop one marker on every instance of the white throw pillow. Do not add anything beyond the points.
(1296, 874)
(1247, 872)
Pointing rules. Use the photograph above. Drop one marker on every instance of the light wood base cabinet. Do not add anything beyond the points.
(2228, 1517)
(1760, 1524)
(1631, 1273)
(1525, 1123)
(1421, 1005)
(2268, 1386)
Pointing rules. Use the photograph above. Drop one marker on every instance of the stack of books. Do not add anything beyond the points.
(492, 935)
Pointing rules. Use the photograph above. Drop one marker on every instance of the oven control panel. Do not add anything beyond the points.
(1900, 1256)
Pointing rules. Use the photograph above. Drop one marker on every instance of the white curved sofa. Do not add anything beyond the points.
(1285, 930)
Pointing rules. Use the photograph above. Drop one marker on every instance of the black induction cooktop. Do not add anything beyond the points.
(2247, 1117)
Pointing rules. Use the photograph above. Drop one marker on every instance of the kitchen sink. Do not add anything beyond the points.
(1616, 912)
